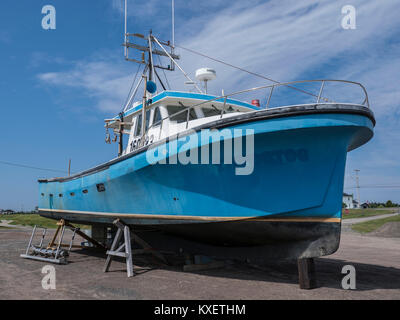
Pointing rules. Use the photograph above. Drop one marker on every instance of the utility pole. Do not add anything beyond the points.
(358, 187)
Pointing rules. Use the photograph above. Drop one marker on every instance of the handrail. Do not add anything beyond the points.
(272, 87)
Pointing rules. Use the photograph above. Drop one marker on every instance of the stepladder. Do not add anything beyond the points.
(122, 247)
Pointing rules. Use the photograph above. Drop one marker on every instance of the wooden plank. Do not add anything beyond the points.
(59, 224)
(84, 236)
(208, 266)
(146, 246)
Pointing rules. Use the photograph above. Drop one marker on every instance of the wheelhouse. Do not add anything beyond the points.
(170, 113)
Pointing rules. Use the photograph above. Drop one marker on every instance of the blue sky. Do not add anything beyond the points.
(57, 86)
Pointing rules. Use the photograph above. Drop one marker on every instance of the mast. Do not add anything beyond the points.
(151, 65)
(148, 46)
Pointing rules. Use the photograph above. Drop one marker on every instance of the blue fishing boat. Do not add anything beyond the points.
(219, 169)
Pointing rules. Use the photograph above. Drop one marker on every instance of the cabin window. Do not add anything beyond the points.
(230, 110)
(138, 125)
(157, 116)
(181, 117)
(209, 112)
(138, 129)
(147, 119)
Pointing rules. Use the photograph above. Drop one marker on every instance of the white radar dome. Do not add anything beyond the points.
(205, 74)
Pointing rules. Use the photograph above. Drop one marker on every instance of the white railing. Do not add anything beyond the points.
(224, 98)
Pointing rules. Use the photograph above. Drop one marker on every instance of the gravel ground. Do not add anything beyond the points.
(376, 260)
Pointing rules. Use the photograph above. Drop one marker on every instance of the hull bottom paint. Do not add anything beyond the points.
(292, 201)
(252, 238)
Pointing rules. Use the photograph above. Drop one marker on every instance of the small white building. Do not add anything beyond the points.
(349, 201)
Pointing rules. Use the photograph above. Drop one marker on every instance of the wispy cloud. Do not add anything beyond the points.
(285, 40)
(289, 40)
(108, 83)
(40, 58)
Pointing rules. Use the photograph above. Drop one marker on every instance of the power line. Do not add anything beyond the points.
(29, 167)
(373, 186)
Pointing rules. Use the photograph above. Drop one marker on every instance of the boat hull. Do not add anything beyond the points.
(293, 194)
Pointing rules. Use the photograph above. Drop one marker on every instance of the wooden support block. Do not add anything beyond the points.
(306, 270)
(200, 267)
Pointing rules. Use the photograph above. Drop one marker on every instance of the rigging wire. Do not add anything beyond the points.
(159, 61)
(29, 167)
(130, 91)
(244, 70)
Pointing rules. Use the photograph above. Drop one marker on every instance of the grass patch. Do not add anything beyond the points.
(372, 225)
(34, 219)
(363, 213)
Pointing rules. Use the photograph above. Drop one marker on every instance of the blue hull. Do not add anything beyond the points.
(298, 176)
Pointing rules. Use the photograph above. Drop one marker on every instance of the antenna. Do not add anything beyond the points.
(173, 33)
(173, 23)
(126, 26)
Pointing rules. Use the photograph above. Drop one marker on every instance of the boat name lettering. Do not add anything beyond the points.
(286, 156)
(141, 142)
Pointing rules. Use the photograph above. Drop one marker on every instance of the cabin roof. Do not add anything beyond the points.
(187, 95)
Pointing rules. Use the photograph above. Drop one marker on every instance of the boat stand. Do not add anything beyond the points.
(125, 250)
(54, 252)
(307, 277)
